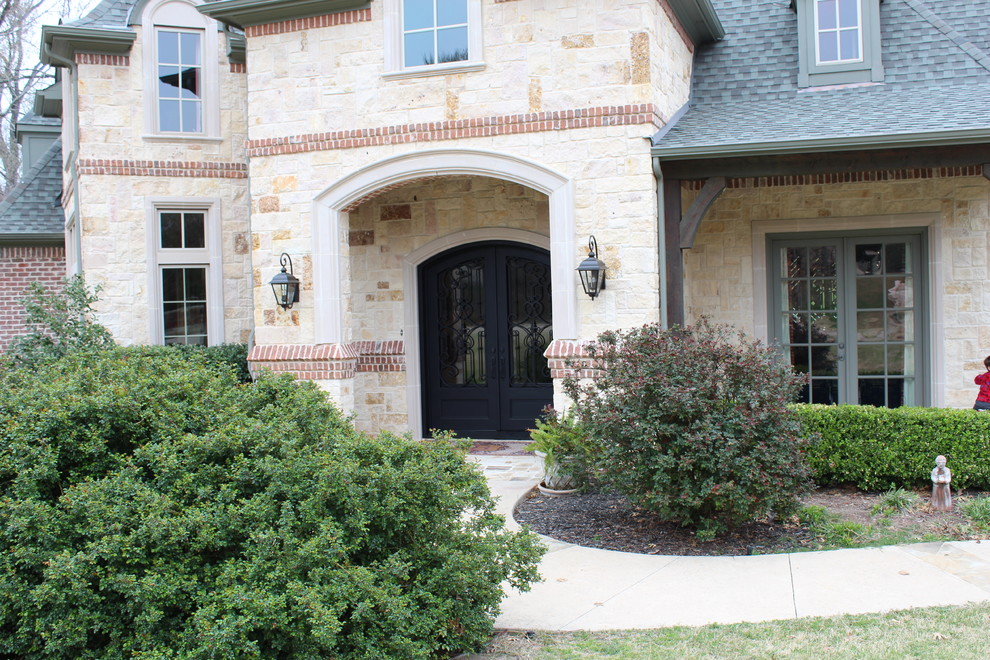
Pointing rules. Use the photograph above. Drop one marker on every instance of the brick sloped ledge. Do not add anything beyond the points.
(329, 361)
(569, 357)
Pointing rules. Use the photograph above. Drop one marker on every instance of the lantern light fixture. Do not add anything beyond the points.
(285, 285)
(592, 270)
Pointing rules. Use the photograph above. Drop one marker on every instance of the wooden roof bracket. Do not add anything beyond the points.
(699, 207)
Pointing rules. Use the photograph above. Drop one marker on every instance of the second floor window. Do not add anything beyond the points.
(434, 32)
(180, 81)
(838, 31)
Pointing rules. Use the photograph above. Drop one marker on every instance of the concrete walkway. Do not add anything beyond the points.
(590, 589)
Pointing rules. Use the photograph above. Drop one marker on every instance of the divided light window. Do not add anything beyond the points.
(434, 32)
(183, 285)
(180, 81)
(838, 31)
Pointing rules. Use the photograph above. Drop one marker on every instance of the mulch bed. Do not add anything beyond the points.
(609, 521)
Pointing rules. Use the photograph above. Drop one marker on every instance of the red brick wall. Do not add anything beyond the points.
(18, 267)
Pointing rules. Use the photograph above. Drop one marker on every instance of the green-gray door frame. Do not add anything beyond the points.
(851, 312)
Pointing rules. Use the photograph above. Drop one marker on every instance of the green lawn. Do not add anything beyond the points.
(952, 633)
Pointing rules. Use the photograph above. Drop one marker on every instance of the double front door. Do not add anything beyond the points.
(485, 322)
(850, 314)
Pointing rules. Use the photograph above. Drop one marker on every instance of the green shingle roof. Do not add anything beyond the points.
(745, 97)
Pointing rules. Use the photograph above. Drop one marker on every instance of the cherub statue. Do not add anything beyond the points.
(941, 493)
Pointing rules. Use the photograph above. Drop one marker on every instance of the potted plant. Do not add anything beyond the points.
(563, 443)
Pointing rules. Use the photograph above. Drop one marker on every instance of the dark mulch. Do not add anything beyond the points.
(609, 521)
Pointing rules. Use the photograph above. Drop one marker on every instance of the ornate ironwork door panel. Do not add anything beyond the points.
(485, 323)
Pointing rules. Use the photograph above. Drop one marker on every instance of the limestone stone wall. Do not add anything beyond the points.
(115, 248)
(112, 112)
(719, 271)
(614, 199)
(538, 57)
(121, 169)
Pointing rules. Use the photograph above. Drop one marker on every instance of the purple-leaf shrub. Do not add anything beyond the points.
(693, 424)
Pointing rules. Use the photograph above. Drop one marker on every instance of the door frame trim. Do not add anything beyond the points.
(410, 268)
(931, 222)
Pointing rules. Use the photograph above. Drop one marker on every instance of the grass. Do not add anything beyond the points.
(950, 633)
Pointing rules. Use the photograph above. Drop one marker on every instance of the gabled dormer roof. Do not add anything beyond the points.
(746, 99)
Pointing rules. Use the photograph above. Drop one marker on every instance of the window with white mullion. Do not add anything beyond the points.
(184, 305)
(838, 31)
(434, 32)
(180, 80)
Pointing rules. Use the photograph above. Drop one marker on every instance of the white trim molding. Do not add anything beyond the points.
(330, 225)
(394, 68)
(211, 256)
(180, 15)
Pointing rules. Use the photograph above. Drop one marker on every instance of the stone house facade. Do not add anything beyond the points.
(435, 171)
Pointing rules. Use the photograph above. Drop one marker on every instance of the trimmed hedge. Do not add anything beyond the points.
(233, 355)
(151, 507)
(883, 448)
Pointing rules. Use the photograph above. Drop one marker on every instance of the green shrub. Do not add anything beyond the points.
(232, 355)
(883, 448)
(567, 450)
(693, 425)
(151, 507)
(59, 321)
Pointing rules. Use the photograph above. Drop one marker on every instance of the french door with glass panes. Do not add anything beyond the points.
(850, 312)
(485, 323)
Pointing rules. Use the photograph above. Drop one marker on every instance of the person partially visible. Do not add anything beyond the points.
(983, 380)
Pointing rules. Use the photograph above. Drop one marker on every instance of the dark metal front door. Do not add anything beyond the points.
(485, 322)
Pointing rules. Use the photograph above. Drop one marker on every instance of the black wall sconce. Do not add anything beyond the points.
(592, 270)
(285, 285)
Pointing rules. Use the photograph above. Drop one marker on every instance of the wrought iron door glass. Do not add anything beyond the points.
(460, 294)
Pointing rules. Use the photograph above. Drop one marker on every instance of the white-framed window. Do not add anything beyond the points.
(428, 37)
(185, 277)
(181, 71)
(838, 31)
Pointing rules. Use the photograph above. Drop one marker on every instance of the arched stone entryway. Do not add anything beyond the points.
(332, 260)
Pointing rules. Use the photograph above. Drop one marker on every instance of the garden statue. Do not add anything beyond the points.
(941, 493)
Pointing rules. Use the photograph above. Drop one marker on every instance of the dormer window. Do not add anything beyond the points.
(431, 37)
(838, 28)
(838, 42)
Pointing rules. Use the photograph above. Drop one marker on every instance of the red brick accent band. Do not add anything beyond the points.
(306, 362)
(904, 174)
(200, 169)
(380, 355)
(533, 122)
(238, 67)
(98, 58)
(329, 361)
(19, 266)
(295, 25)
(569, 357)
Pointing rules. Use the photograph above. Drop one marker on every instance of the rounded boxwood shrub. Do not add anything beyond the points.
(693, 424)
(151, 507)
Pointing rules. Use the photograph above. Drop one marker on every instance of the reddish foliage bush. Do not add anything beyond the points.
(693, 424)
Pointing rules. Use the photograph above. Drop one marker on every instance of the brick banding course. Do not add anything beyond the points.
(295, 25)
(533, 122)
(200, 170)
